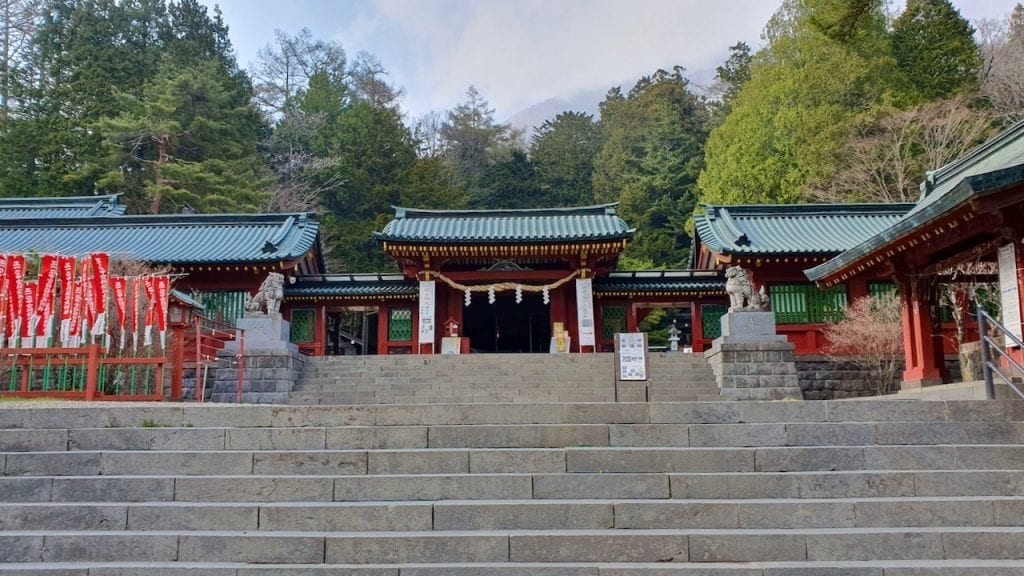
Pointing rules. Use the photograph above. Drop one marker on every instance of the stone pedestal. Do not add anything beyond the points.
(751, 361)
(263, 332)
(271, 363)
(749, 326)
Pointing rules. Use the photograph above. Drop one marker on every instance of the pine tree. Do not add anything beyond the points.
(935, 49)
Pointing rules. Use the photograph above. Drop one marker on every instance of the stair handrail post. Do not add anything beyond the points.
(986, 368)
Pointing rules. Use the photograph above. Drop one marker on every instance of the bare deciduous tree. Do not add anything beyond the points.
(1002, 72)
(871, 338)
(886, 158)
(18, 19)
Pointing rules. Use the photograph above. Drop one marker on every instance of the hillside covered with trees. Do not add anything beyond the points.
(845, 102)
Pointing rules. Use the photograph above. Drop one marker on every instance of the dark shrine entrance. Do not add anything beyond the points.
(506, 326)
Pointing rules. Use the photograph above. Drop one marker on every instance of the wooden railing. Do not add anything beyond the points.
(86, 373)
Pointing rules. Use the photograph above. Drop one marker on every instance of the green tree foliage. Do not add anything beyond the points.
(473, 141)
(935, 50)
(563, 151)
(94, 65)
(185, 143)
(826, 62)
(729, 78)
(652, 154)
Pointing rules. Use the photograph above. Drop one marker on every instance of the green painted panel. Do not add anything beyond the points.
(807, 304)
(613, 320)
(400, 324)
(877, 289)
(303, 326)
(225, 307)
(711, 320)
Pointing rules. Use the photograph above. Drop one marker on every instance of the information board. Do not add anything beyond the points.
(426, 328)
(585, 311)
(1009, 296)
(631, 355)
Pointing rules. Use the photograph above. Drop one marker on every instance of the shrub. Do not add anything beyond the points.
(871, 338)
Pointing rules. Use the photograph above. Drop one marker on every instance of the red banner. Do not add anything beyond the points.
(150, 287)
(136, 302)
(119, 287)
(77, 308)
(15, 295)
(66, 268)
(163, 295)
(88, 302)
(100, 264)
(4, 317)
(44, 297)
(28, 315)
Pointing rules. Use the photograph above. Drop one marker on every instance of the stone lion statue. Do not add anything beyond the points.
(740, 289)
(269, 295)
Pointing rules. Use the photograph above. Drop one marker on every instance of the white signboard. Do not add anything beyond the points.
(427, 313)
(1009, 300)
(632, 351)
(585, 311)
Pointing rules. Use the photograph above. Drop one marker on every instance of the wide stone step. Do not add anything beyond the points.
(526, 460)
(127, 415)
(844, 568)
(515, 436)
(700, 545)
(518, 515)
(371, 488)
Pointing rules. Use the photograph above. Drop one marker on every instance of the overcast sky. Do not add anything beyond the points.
(519, 52)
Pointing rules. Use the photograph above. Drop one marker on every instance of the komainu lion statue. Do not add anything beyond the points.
(269, 295)
(741, 291)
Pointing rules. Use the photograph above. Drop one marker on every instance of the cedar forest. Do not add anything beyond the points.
(846, 102)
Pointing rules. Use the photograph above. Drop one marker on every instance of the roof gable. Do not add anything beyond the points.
(170, 239)
(792, 228)
(588, 223)
(68, 207)
(995, 165)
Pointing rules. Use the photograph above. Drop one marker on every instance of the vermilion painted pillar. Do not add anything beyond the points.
(696, 328)
(631, 321)
(857, 288)
(382, 331)
(925, 369)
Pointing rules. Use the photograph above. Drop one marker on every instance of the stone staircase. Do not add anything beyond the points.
(851, 488)
(490, 378)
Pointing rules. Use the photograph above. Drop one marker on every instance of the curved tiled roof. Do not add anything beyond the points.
(588, 223)
(69, 207)
(793, 228)
(174, 239)
(662, 281)
(995, 165)
(351, 285)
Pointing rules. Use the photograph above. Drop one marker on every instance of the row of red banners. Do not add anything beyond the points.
(83, 290)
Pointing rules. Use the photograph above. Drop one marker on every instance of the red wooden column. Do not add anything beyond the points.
(922, 367)
(696, 328)
(382, 330)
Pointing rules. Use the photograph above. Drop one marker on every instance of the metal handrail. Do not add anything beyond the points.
(988, 345)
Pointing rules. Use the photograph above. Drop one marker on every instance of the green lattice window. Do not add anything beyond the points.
(711, 320)
(303, 326)
(225, 306)
(878, 289)
(613, 320)
(807, 304)
(400, 324)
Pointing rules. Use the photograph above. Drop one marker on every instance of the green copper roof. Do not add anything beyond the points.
(995, 165)
(175, 239)
(662, 281)
(71, 207)
(351, 285)
(588, 223)
(793, 228)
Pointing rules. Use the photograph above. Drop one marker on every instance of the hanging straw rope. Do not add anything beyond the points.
(504, 285)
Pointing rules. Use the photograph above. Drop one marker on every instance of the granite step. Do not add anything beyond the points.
(642, 545)
(465, 515)
(862, 568)
(120, 415)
